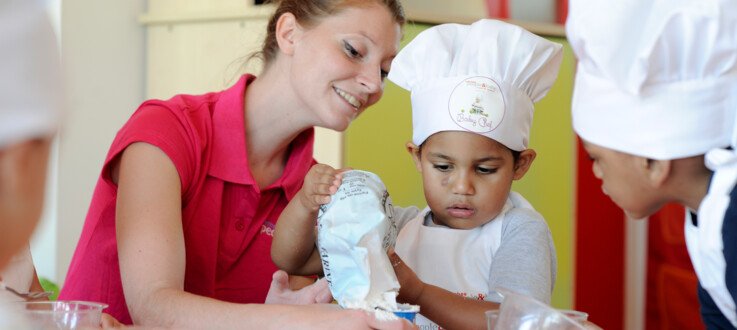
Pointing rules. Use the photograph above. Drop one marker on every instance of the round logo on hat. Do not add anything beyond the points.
(476, 104)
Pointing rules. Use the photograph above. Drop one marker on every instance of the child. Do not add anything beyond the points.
(29, 112)
(654, 101)
(473, 89)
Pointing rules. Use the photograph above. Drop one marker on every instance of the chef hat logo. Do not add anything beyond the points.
(476, 104)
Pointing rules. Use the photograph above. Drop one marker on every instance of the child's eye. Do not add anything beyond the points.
(384, 74)
(486, 170)
(442, 167)
(350, 50)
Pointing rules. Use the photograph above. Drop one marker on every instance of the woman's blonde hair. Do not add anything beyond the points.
(308, 12)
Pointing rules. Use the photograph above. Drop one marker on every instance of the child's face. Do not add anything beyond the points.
(626, 180)
(467, 177)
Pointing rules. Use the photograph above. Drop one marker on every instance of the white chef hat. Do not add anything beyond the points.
(29, 72)
(481, 78)
(655, 78)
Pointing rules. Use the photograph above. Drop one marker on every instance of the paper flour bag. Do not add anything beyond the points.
(354, 231)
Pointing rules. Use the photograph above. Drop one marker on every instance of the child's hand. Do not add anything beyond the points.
(410, 285)
(321, 182)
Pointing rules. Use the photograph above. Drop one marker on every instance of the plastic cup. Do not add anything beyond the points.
(491, 317)
(577, 316)
(63, 314)
(524, 312)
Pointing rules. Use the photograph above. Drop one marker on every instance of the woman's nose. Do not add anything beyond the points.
(370, 77)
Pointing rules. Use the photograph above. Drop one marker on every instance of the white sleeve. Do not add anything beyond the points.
(18, 274)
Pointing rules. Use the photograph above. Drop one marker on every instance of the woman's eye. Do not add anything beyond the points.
(441, 167)
(350, 50)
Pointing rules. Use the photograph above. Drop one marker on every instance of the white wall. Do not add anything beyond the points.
(445, 8)
(103, 55)
(542, 11)
(43, 242)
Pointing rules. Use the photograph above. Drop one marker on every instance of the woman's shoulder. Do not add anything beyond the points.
(182, 106)
(197, 111)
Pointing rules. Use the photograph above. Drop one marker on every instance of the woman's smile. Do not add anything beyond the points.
(352, 100)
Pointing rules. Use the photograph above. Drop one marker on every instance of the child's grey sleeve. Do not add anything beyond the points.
(525, 261)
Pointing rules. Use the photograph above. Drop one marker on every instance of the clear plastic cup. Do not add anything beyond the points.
(491, 317)
(523, 312)
(63, 314)
(577, 316)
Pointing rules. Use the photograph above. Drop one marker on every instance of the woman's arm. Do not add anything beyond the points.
(293, 247)
(447, 309)
(152, 254)
(152, 261)
(151, 242)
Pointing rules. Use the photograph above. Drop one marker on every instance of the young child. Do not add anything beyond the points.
(473, 89)
(30, 109)
(654, 102)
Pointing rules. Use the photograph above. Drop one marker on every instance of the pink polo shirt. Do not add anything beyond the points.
(228, 221)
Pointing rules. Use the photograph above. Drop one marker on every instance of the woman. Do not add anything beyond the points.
(181, 219)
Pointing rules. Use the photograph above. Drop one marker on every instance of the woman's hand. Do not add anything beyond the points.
(280, 291)
(321, 182)
(411, 286)
(108, 321)
(332, 316)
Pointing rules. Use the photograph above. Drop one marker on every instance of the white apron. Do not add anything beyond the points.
(454, 259)
(705, 241)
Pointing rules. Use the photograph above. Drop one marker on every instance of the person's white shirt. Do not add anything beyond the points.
(19, 273)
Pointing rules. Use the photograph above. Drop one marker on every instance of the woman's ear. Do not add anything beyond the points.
(415, 152)
(287, 29)
(523, 163)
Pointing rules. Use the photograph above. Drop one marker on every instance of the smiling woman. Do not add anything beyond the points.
(351, 79)
(179, 229)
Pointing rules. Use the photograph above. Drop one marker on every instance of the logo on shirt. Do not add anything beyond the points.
(267, 228)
